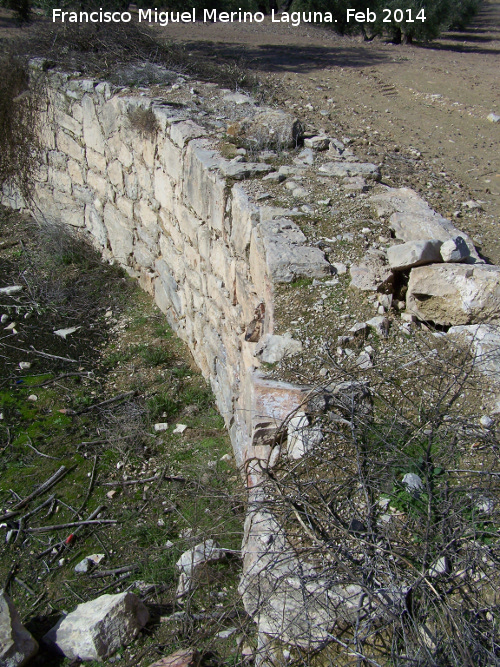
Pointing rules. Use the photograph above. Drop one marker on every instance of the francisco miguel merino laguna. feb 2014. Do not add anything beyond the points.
(163, 18)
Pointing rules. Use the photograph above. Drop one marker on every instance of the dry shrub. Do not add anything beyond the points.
(22, 96)
(144, 122)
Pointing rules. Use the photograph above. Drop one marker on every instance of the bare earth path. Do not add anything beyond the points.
(392, 100)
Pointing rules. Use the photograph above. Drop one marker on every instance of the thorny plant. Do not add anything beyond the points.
(390, 523)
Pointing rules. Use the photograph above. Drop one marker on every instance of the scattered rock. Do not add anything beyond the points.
(340, 267)
(238, 98)
(10, 290)
(192, 559)
(413, 483)
(301, 437)
(24, 365)
(161, 426)
(179, 428)
(275, 176)
(455, 250)
(241, 170)
(273, 348)
(380, 324)
(358, 329)
(413, 253)
(275, 129)
(97, 629)
(364, 361)
(493, 117)
(355, 184)
(439, 567)
(88, 563)
(373, 273)
(344, 169)
(486, 422)
(64, 333)
(17, 646)
(454, 293)
(318, 143)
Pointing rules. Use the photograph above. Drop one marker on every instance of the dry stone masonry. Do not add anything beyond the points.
(191, 226)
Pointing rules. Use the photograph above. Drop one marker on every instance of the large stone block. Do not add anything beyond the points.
(413, 253)
(163, 190)
(92, 133)
(455, 293)
(17, 646)
(68, 145)
(171, 157)
(120, 233)
(97, 629)
(244, 217)
(203, 189)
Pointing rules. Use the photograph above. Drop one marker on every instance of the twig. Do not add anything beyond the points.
(56, 477)
(73, 524)
(478, 472)
(41, 354)
(91, 442)
(114, 584)
(45, 456)
(120, 397)
(21, 583)
(117, 570)
(61, 377)
(89, 490)
(37, 509)
(74, 592)
(62, 543)
(168, 478)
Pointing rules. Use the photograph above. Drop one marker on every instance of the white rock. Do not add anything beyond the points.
(486, 422)
(17, 646)
(63, 333)
(344, 169)
(301, 437)
(161, 426)
(439, 567)
(413, 482)
(455, 250)
(97, 629)
(454, 293)
(273, 348)
(10, 290)
(318, 143)
(413, 253)
(493, 117)
(372, 273)
(24, 365)
(380, 324)
(180, 428)
(192, 559)
(364, 361)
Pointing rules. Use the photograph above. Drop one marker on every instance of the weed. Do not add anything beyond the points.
(144, 122)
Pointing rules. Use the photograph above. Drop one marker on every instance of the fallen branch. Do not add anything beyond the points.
(45, 456)
(59, 545)
(21, 583)
(41, 354)
(117, 570)
(89, 490)
(114, 584)
(128, 482)
(72, 524)
(120, 397)
(56, 477)
(61, 377)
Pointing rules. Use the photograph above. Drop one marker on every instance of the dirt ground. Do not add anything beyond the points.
(393, 101)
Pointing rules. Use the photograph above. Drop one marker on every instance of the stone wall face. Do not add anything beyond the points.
(159, 205)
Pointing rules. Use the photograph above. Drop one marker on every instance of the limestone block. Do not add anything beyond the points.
(125, 156)
(83, 194)
(286, 262)
(222, 264)
(97, 629)
(145, 214)
(57, 160)
(455, 293)
(120, 233)
(17, 646)
(204, 244)
(64, 208)
(274, 128)
(193, 278)
(244, 217)
(98, 184)
(188, 222)
(412, 219)
(168, 224)
(373, 273)
(273, 348)
(143, 174)
(68, 123)
(170, 286)
(455, 250)
(148, 153)
(143, 256)
(75, 172)
(171, 158)
(163, 190)
(149, 236)
(193, 259)
(95, 224)
(115, 175)
(68, 145)
(413, 253)
(214, 314)
(96, 161)
(92, 133)
(125, 206)
(203, 189)
(60, 180)
(172, 257)
(346, 169)
(131, 185)
(146, 281)
(182, 132)
(111, 115)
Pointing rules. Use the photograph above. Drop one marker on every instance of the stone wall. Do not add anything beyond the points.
(161, 204)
